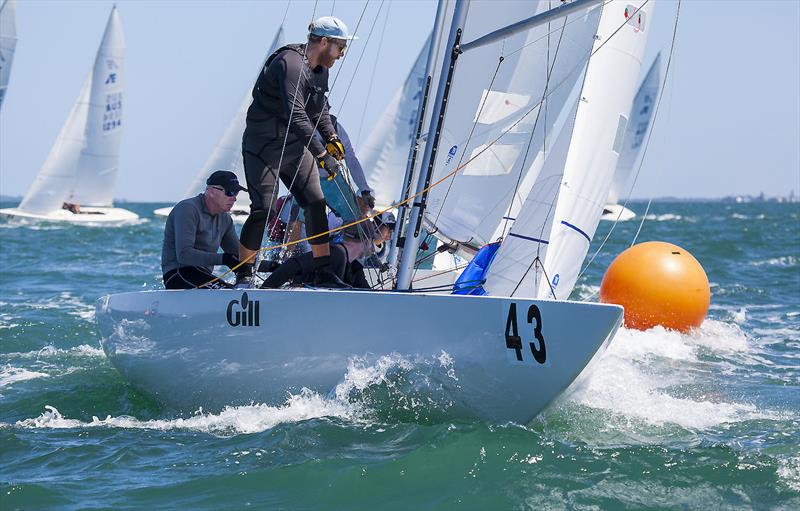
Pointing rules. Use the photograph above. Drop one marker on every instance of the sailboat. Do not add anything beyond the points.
(501, 356)
(227, 154)
(640, 117)
(82, 166)
(8, 42)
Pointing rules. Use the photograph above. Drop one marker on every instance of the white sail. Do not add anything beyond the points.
(638, 124)
(8, 42)
(227, 154)
(543, 253)
(492, 99)
(384, 156)
(82, 165)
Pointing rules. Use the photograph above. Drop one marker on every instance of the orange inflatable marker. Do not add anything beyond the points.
(658, 283)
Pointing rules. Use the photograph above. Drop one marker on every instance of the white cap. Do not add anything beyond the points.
(330, 27)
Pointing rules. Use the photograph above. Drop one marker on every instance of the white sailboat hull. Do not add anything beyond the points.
(238, 213)
(205, 348)
(617, 212)
(88, 215)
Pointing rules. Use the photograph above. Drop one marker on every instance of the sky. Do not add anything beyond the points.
(729, 122)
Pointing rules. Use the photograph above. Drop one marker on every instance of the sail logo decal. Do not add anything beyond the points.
(636, 18)
(452, 152)
(243, 312)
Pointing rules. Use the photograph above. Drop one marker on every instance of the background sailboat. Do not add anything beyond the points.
(227, 154)
(638, 124)
(8, 42)
(83, 163)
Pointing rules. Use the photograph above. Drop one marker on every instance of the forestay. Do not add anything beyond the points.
(82, 165)
(8, 43)
(543, 253)
(638, 124)
(227, 154)
(493, 100)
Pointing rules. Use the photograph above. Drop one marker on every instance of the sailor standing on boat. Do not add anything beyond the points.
(289, 105)
(196, 228)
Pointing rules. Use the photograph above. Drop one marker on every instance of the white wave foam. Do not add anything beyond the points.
(230, 421)
(645, 376)
(778, 261)
(668, 217)
(789, 471)
(84, 350)
(10, 374)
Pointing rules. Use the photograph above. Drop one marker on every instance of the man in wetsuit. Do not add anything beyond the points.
(289, 105)
(196, 228)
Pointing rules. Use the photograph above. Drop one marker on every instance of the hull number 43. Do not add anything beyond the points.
(538, 350)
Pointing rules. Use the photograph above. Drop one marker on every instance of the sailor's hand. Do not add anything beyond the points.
(329, 165)
(368, 198)
(230, 260)
(335, 148)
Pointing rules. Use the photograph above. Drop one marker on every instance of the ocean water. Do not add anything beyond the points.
(707, 420)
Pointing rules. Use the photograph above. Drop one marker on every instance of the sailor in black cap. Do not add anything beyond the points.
(196, 229)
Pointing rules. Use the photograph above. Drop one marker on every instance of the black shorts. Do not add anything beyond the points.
(297, 170)
(192, 277)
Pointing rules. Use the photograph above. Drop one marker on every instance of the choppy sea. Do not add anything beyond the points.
(707, 420)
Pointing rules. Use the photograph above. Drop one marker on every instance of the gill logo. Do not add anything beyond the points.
(249, 315)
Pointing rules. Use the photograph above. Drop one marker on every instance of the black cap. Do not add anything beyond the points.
(225, 179)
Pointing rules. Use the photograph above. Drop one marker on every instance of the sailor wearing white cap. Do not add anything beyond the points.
(289, 106)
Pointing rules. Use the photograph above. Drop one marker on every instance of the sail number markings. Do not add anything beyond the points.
(538, 349)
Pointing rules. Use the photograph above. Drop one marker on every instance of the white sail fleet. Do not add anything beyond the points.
(533, 111)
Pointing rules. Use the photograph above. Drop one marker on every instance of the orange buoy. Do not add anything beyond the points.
(658, 283)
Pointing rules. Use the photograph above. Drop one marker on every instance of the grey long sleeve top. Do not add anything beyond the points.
(193, 236)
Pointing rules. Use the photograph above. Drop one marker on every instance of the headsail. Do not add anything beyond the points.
(513, 90)
(384, 155)
(543, 257)
(638, 124)
(8, 42)
(227, 154)
(82, 165)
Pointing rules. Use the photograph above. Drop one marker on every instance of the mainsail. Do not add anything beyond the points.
(506, 98)
(82, 165)
(638, 124)
(8, 42)
(227, 154)
(549, 240)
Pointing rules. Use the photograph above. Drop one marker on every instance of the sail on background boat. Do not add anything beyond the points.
(8, 43)
(638, 124)
(83, 163)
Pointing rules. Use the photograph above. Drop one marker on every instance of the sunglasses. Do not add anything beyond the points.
(226, 192)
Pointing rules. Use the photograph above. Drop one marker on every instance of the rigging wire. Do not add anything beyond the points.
(644, 153)
(372, 75)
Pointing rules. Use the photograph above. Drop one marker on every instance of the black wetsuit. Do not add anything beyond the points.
(288, 102)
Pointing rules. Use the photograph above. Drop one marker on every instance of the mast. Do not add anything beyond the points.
(411, 245)
(406, 266)
(433, 50)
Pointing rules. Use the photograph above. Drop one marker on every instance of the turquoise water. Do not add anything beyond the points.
(709, 420)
